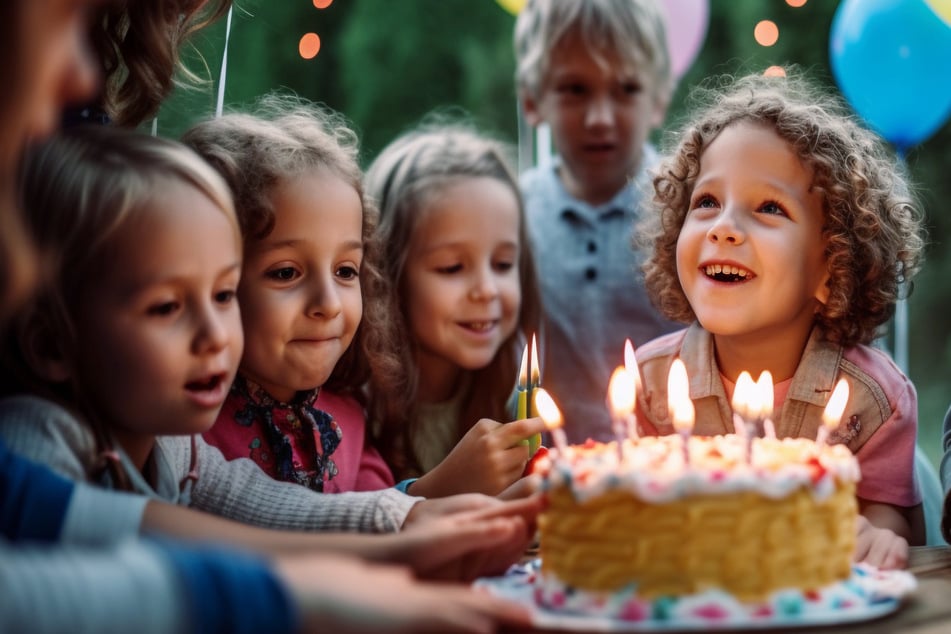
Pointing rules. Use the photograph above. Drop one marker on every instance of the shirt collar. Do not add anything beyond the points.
(812, 381)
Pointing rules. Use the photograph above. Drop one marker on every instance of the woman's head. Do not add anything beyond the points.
(870, 224)
(43, 49)
(139, 326)
(308, 274)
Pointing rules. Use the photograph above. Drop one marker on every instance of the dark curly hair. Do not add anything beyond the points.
(279, 138)
(872, 229)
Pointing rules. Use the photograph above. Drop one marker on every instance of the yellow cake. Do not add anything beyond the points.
(648, 525)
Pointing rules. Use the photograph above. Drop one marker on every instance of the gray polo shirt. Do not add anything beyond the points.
(593, 293)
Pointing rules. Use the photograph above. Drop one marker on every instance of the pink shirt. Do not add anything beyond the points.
(360, 466)
(879, 426)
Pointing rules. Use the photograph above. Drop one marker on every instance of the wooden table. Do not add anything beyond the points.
(927, 611)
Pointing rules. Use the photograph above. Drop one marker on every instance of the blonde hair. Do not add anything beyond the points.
(79, 189)
(403, 180)
(631, 29)
(280, 138)
(873, 224)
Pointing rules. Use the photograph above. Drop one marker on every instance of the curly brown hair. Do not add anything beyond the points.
(403, 180)
(282, 137)
(873, 224)
(138, 43)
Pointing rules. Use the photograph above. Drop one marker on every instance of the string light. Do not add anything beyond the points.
(309, 45)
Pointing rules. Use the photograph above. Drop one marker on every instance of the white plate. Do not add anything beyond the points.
(868, 594)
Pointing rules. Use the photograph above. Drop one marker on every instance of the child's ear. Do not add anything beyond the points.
(823, 291)
(530, 109)
(42, 349)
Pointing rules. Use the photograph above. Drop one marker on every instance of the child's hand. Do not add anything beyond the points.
(468, 544)
(337, 594)
(879, 546)
(487, 460)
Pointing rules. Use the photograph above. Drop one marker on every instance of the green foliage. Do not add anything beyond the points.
(386, 63)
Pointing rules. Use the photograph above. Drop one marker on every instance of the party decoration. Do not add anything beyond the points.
(512, 6)
(890, 58)
(687, 22)
(942, 8)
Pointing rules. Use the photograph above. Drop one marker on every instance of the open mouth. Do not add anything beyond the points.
(727, 273)
(479, 326)
(205, 385)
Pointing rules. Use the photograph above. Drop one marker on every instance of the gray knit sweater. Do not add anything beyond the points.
(238, 490)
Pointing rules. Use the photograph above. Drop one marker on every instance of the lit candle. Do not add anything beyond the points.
(622, 392)
(521, 409)
(535, 374)
(765, 385)
(745, 406)
(680, 406)
(551, 415)
(832, 414)
(630, 364)
(741, 402)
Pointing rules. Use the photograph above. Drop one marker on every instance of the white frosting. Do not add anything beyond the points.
(653, 468)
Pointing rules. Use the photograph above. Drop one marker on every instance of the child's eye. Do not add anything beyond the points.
(503, 265)
(631, 89)
(772, 208)
(449, 270)
(705, 202)
(571, 89)
(283, 274)
(348, 272)
(225, 297)
(162, 309)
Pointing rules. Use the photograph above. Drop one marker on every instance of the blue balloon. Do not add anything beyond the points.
(892, 61)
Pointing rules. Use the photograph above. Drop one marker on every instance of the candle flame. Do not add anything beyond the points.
(743, 395)
(832, 414)
(765, 385)
(523, 370)
(630, 361)
(536, 372)
(546, 408)
(678, 397)
(622, 392)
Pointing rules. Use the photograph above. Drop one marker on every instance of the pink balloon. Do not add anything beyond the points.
(687, 22)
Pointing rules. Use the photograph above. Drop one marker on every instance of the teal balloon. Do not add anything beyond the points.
(892, 61)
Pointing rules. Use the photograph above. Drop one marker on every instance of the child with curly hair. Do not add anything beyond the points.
(311, 296)
(783, 232)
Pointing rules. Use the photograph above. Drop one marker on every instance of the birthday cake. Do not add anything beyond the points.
(746, 521)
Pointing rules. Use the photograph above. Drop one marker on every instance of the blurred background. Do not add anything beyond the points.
(385, 64)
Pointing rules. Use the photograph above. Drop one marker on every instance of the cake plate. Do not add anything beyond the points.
(867, 594)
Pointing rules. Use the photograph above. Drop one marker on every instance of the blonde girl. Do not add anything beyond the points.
(463, 298)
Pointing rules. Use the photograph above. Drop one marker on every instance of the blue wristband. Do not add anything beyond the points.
(403, 486)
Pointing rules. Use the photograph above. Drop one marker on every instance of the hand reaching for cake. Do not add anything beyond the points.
(879, 547)
(488, 459)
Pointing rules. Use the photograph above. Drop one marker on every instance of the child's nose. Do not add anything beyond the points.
(726, 228)
(600, 111)
(484, 286)
(325, 299)
(214, 333)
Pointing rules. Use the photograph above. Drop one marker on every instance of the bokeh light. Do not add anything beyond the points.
(792, 3)
(775, 71)
(309, 45)
(766, 33)
(323, 4)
